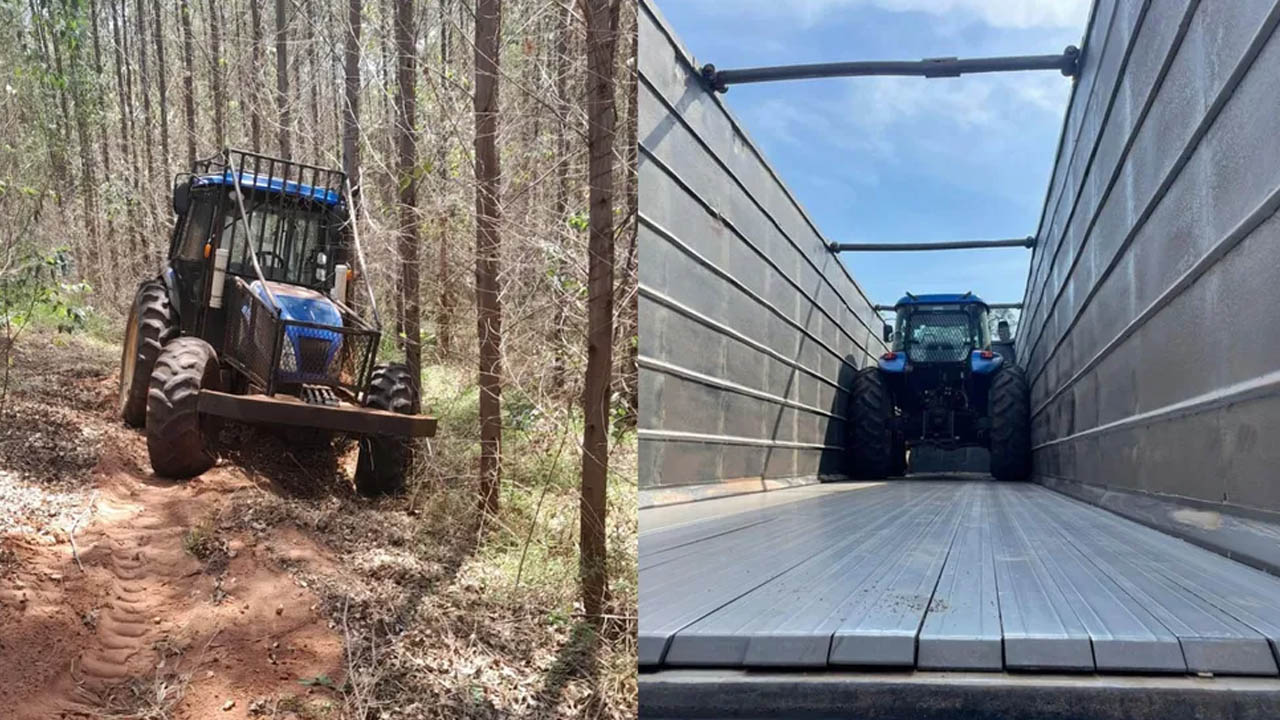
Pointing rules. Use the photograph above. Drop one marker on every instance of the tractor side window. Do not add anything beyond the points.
(196, 232)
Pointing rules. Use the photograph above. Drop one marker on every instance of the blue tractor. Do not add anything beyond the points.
(941, 384)
(255, 318)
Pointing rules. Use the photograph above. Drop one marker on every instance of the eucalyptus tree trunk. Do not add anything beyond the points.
(282, 79)
(407, 176)
(216, 77)
(162, 85)
(602, 41)
(488, 15)
(188, 80)
(255, 60)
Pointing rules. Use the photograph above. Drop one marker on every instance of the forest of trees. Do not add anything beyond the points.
(489, 141)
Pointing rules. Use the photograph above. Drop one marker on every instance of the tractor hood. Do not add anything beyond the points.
(308, 354)
(300, 303)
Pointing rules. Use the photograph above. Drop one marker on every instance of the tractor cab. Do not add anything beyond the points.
(942, 384)
(259, 243)
(947, 333)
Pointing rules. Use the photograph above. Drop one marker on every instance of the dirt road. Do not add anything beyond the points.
(121, 594)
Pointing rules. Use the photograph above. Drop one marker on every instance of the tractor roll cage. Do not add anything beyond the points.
(278, 184)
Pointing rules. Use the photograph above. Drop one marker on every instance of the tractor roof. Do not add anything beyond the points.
(967, 298)
(271, 184)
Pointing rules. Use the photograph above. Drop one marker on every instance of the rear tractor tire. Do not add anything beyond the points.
(178, 440)
(1009, 403)
(151, 324)
(384, 461)
(871, 442)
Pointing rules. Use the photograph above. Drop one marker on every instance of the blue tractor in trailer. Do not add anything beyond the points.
(254, 318)
(943, 385)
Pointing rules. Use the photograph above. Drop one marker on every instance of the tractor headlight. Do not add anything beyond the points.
(288, 360)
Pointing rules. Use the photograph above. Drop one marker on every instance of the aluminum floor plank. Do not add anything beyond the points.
(1245, 593)
(1211, 640)
(678, 593)
(1040, 627)
(883, 619)
(961, 630)
(1125, 637)
(715, 535)
(1019, 577)
(780, 623)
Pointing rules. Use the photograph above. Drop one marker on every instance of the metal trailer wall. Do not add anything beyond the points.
(750, 328)
(1150, 331)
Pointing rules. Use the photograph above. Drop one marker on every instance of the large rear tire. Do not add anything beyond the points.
(151, 324)
(178, 440)
(1010, 406)
(870, 426)
(384, 461)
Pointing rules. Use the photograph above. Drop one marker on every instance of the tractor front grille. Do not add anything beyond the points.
(315, 354)
(271, 350)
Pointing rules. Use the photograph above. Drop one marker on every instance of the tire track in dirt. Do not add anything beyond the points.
(145, 558)
(139, 626)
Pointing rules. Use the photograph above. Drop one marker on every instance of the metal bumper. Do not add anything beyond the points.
(288, 410)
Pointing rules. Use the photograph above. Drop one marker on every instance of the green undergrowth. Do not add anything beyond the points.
(527, 557)
(532, 545)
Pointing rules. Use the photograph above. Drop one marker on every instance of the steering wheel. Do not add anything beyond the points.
(276, 260)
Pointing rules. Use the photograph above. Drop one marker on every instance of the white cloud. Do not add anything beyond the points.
(1020, 14)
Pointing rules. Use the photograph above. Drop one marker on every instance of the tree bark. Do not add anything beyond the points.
(255, 59)
(602, 39)
(282, 79)
(162, 83)
(215, 73)
(628, 374)
(488, 24)
(445, 309)
(135, 232)
(188, 80)
(144, 82)
(560, 206)
(351, 93)
(407, 176)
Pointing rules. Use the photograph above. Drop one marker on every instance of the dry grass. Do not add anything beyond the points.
(444, 619)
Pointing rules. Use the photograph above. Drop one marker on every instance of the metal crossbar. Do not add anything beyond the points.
(1026, 242)
(1067, 62)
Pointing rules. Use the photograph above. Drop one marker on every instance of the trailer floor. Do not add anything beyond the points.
(941, 573)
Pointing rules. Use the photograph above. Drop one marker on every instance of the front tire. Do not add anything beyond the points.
(178, 440)
(383, 460)
(870, 426)
(151, 324)
(1009, 403)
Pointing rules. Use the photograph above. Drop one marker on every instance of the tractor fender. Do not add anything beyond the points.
(984, 366)
(893, 362)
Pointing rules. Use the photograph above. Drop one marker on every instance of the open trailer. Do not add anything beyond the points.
(1136, 574)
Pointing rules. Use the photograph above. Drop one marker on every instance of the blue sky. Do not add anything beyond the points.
(902, 159)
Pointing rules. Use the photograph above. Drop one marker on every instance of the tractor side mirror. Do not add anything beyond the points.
(181, 198)
(887, 335)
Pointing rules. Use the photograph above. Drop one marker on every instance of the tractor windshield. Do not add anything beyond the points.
(294, 245)
(941, 333)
